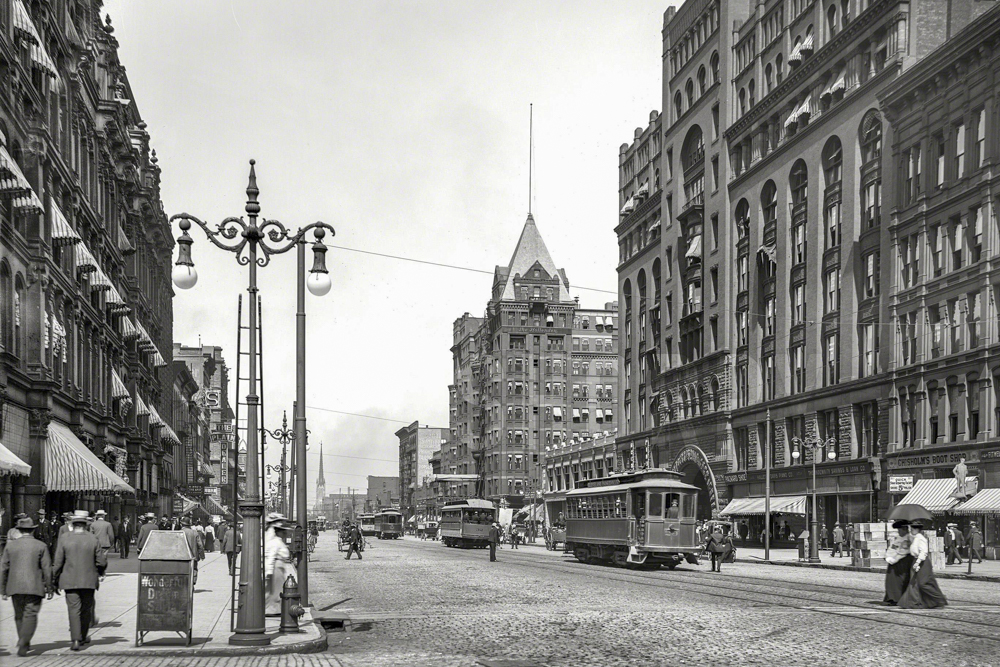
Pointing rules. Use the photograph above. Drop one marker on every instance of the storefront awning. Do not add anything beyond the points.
(755, 506)
(986, 501)
(186, 504)
(10, 464)
(70, 466)
(934, 495)
(213, 507)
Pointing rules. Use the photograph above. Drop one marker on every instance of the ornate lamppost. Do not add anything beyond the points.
(284, 435)
(253, 243)
(815, 445)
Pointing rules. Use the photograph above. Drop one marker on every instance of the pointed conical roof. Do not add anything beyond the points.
(321, 479)
(530, 249)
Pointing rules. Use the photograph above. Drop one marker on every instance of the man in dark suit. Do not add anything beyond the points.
(494, 539)
(194, 543)
(79, 567)
(124, 536)
(103, 530)
(26, 575)
(144, 531)
(953, 542)
(353, 541)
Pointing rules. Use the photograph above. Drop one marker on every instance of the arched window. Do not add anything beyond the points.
(669, 407)
(693, 165)
(656, 280)
(685, 404)
(641, 283)
(689, 89)
(768, 82)
(831, 21)
(833, 161)
(714, 64)
(778, 71)
(702, 80)
(627, 296)
(871, 169)
(751, 93)
(743, 101)
(714, 404)
(18, 315)
(798, 182)
(678, 104)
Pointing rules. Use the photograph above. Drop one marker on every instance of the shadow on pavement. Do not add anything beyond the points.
(161, 642)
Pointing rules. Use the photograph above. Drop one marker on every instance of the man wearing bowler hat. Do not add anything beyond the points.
(79, 567)
(26, 576)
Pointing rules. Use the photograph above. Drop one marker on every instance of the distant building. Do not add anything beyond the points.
(320, 479)
(383, 492)
(416, 446)
(566, 464)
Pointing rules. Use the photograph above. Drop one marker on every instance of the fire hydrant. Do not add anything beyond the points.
(290, 607)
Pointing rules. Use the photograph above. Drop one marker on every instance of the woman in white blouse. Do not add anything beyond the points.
(923, 591)
(899, 563)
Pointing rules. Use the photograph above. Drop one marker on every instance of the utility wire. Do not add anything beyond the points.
(357, 414)
(449, 266)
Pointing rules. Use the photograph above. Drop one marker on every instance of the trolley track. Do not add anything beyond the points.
(834, 602)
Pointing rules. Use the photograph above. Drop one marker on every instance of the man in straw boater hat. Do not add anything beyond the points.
(26, 576)
(104, 531)
(79, 567)
(148, 526)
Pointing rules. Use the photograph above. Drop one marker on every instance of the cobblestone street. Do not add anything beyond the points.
(420, 603)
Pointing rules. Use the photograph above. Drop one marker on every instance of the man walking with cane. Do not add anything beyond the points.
(26, 575)
(79, 567)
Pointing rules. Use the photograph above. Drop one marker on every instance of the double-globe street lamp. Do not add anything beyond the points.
(253, 243)
(815, 445)
(284, 435)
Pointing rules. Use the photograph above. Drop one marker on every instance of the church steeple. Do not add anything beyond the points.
(321, 480)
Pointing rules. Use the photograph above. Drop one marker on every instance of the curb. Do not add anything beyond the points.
(315, 645)
(873, 570)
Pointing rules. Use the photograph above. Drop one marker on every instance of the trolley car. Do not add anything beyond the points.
(636, 519)
(389, 524)
(367, 524)
(555, 520)
(466, 523)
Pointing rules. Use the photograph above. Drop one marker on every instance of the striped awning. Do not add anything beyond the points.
(755, 506)
(10, 464)
(986, 501)
(206, 469)
(128, 328)
(41, 59)
(154, 416)
(28, 200)
(118, 388)
(70, 466)
(186, 503)
(84, 261)
(11, 176)
(145, 341)
(62, 232)
(23, 23)
(140, 406)
(123, 243)
(934, 495)
(170, 435)
(158, 358)
(213, 506)
(100, 281)
(805, 109)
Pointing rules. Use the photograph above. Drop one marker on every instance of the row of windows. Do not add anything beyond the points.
(951, 409)
(703, 28)
(598, 344)
(947, 157)
(946, 246)
(691, 94)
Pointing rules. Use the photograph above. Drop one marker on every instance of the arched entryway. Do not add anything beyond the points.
(692, 464)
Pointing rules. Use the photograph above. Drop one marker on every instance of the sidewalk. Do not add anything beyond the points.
(116, 609)
(988, 570)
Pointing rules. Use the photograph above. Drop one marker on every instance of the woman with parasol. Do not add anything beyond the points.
(922, 592)
(898, 561)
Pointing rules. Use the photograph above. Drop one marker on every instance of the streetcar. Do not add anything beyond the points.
(367, 524)
(555, 520)
(388, 524)
(466, 523)
(638, 519)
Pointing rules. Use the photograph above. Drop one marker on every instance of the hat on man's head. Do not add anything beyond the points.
(100, 513)
(185, 520)
(900, 524)
(80, 516)
(42, 511)
(26, 524)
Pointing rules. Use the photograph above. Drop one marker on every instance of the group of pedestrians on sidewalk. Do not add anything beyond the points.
(909, 577)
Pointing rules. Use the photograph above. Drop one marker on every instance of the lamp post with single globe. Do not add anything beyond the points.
(253, 242)
(815, 445)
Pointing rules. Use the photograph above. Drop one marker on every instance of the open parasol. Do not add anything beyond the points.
(910, 513)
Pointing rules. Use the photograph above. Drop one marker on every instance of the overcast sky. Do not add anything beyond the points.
(405, 126)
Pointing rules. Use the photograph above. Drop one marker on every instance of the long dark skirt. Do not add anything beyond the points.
(897, 578)
(923, 591)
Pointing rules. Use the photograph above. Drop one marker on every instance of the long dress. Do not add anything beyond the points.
(923, 591)
(277, 566)
(899, 563)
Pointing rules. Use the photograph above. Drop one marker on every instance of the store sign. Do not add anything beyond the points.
(196, 490)
(799, 471)
(942, 459)
(900, 483)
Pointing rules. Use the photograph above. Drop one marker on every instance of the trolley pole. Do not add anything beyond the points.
(767, 488)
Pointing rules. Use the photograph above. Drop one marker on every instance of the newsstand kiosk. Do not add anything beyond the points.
(166, 586)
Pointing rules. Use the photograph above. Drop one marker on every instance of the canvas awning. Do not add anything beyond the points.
(118, 388)
(186, 503)
(10, 464)
(986, 501)
(213, 506)
(23, 23)
(14, 178)
(694, 248)
(62, 232)
(629, 206)
(934, 495)
(755, 506)
(154, 416)
(83, 259)
(128, 328)
(123, 243)
(140, 406)
(170, 434)
(71, 466)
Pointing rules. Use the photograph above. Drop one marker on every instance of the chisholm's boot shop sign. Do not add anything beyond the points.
(942, 458)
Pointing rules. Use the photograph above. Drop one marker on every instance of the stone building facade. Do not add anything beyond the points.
(85, 294)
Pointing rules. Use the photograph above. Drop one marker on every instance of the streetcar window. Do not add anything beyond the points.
(673, 507)
(639, 504)
(655, 504)
(689, 500)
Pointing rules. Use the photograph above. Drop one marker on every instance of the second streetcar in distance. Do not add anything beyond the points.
(640, 519)
(466, 523)
(388, 524)
(367, 524)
